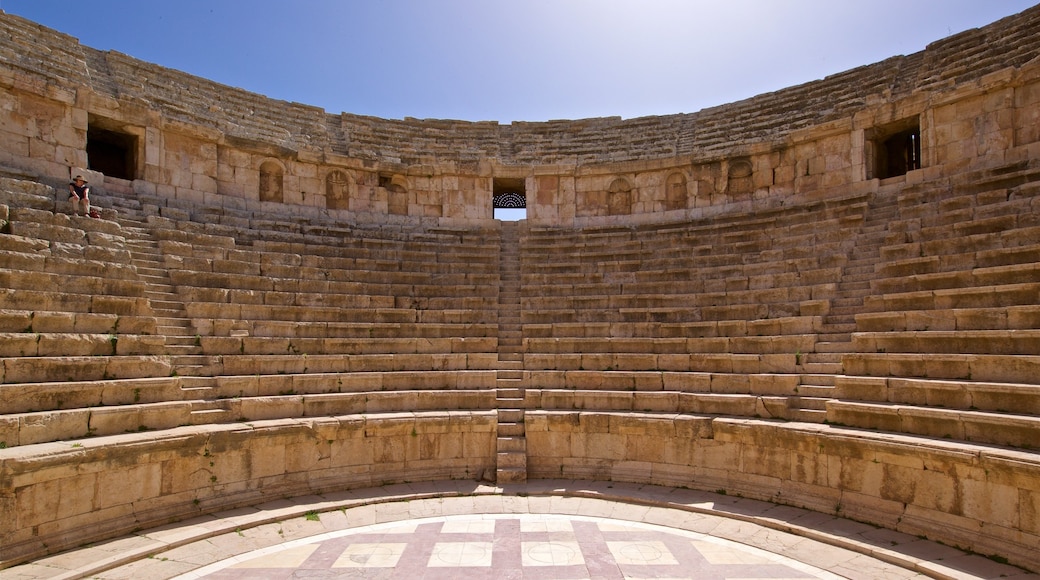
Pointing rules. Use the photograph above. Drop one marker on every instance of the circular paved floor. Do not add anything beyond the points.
(544, 529)
(514, 546)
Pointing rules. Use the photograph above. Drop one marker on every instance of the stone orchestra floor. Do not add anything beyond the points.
(524, 546)
(540, 530)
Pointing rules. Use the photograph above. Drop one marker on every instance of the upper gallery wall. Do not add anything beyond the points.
(969, 100)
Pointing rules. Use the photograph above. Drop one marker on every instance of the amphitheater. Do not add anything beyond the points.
(811, 318)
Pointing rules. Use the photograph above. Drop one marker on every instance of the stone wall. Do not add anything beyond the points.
(696, 299)
(973, 96)
(981, 499)
(61, 495)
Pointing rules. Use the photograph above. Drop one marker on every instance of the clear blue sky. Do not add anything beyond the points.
(530, 60)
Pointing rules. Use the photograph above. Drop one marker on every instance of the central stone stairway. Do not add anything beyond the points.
(172, 322)
(512, 444)
(817, 383)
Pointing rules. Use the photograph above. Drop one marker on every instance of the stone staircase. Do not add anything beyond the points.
(816, 385)
(172, 322)
(512, 444)
(121, 204)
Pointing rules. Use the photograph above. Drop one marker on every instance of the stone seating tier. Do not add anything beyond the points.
(345, 346)
(952, 394)
(42, 412)
(68, 493)
(707, 273)
(360, 281)
(646, 244)
(805, 324)
(752, 305)
(1007, 296)
(978, 367)
(57, 395)
(73, 424)
(905, 482)
(693, 351)
(71, 283)
(51, 344)
(58, 301)
(43, 321)
(788, 344)
(1001, 342)
(678, 362)
(1004, 429)
(1026, 317)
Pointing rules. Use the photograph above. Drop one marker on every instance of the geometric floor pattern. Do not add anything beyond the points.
(507, 547)
(545, 529)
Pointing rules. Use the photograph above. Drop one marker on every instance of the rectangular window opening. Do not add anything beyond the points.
(509, 199)
(896, 148)
(111, 152)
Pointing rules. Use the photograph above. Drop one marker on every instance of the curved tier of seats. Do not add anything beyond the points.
(798, 332)
(695, 353)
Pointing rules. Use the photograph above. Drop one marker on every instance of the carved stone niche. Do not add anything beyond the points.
(676, 194)
(396, 187)
(338, 190)
(271, 178)
(619, 197)
(740, 176)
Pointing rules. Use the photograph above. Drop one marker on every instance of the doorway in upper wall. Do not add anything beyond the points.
(111, 149)
(895, 148)
(509, 199)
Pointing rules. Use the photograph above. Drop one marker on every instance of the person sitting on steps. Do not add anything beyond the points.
(79, 191)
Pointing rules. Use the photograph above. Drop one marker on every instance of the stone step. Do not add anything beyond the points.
(816, 391)
(209, 416)
(172, 322)
(866, 269)
(807, 415)
(512, 459)
(181, 349)
(149, 272)
(174, 332)
(192, 371)
(510, 393)
(505, 476)
(159, 303)
(823, 368)
(810, 403)
(195, 365)
(813, 380)
(510, 429)
(512, 444)
(823, 357)
(145, 250)
(509, 374)
(834, 325)
(852, 301)
(153, 279)
(510, 403)
(511, 416)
